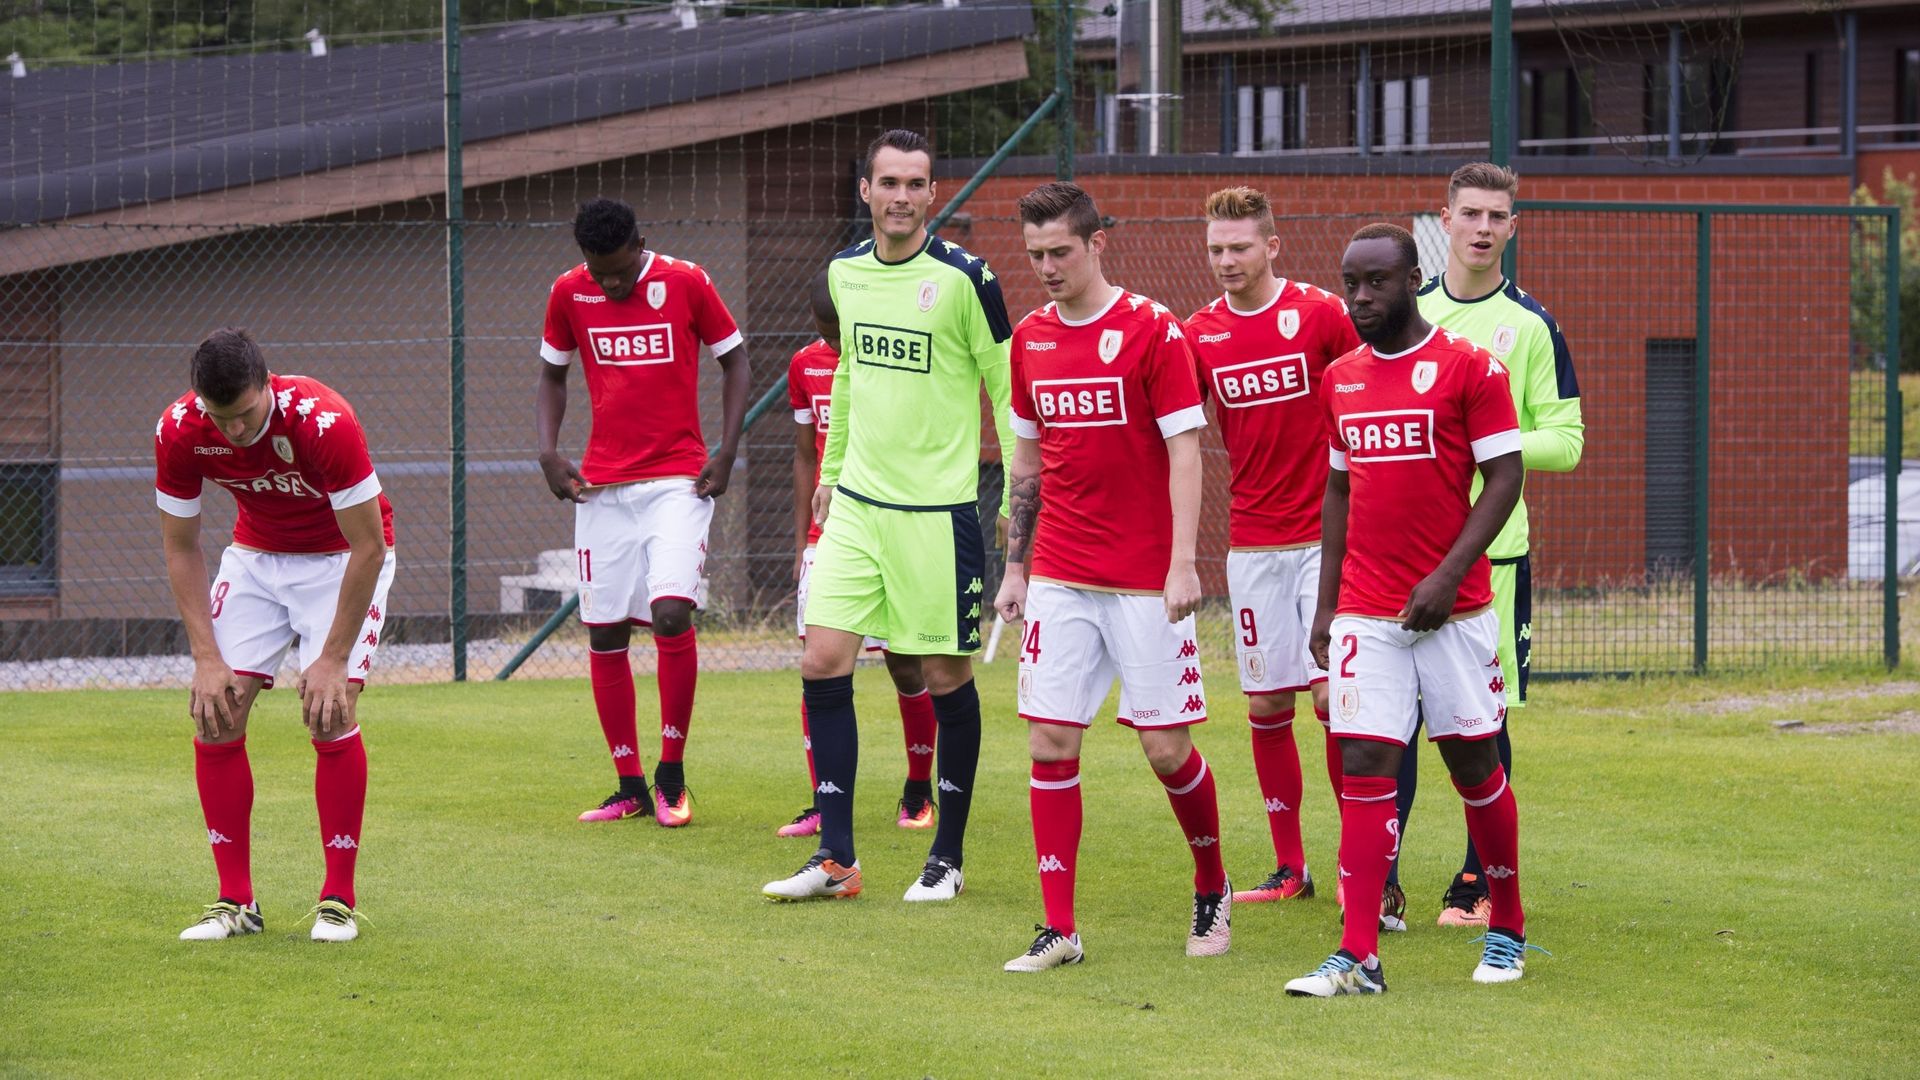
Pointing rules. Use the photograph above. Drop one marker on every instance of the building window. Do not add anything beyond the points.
(1811, 111)
(28, 528)
(1906, 95)
(1553, 110)
(1270, 118)
(1401, 114)
(1706, 106)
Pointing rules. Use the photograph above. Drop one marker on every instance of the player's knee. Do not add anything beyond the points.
(1265, 705)
(671, 618)
(945, 674)
(611, 638)
(1470, 763)
(823, 659)
(1367, 757)
(906, 673)
(1166, 750)
(1052, 742)
(1320, 697)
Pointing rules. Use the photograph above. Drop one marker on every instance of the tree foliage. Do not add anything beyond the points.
(1869, 275)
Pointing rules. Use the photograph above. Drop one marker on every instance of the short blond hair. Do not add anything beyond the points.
(1483, 176)
(1241, 204)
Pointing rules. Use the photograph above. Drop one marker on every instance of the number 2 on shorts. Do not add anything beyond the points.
(1353, 648)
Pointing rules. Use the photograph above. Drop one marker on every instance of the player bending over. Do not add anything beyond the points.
(644, 492)
(923, 328)
(810, 392)
(1405, 621)
(1261, 347)
(1107, 409)
(311, 558)
(1473, 298)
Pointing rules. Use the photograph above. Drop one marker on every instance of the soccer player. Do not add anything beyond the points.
(644, 492)
(1105, 482)
(923, 328)
(1474, 299)
(1406, 608)
(1261, 347)
(311, 558)
(810, 392)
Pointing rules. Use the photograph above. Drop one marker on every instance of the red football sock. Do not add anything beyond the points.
(679, 670)
(340, 790)
(612, 676)
(1336, 768)
(917, 724)
(1053, 795)
(1369, 840)
(1190, 790)
(1493, 821)
(1276, 762)
(806, 742)
(225, 780)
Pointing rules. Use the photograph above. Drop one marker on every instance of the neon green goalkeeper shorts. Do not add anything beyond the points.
(911, 576)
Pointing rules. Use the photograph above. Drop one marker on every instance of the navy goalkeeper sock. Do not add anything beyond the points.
(836, 757)
(958, 717)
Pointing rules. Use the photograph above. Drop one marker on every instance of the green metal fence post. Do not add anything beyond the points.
(1702, 417)
(1063, 87)
(1500, 106)
(1896, 419)
(456, 353)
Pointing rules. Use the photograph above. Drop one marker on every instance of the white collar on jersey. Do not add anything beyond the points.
(644, 267)
(1263, 308)
(1378, 355)
(1118, 292)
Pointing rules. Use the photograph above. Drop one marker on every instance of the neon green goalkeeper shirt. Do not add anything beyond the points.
(918, 339)
(1516, 328)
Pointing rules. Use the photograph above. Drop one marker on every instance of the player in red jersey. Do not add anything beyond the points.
(1261, 347)
(645, 489)
(1406, 600)
(311, 558)
(1107, 409)
(810, 392)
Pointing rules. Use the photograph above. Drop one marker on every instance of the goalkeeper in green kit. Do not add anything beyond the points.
(1475, 300)
(901, 557)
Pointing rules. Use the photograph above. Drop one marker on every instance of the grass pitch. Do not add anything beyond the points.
(1721, 896)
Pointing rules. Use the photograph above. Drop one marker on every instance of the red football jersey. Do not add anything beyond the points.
(1410, 429)
(310, 460)
(642, 365)
(1102, 397)
(810, 392)
(1261, 369)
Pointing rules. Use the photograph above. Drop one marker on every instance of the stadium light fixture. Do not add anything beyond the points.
(689, 18)
(316, 45)
(17, 65)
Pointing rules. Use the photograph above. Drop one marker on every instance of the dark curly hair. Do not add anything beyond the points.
(604, 226)
(226, 365)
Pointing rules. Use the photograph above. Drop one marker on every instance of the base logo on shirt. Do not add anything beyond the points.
(657, 294)
(1258, 382)
(929, 293)
(1092, 402)
(1110, 345)
(284, 447)
(1424, 372)
(1289, 323)
(1504, 338)
(897, 347)
(1349, 702)
(1390, 435)
(629, 346)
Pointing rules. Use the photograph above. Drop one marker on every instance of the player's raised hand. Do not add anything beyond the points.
(215, 699)
(324, 703)
(1320, 638)
(1011, 601)
(714, 478)
(563, 479)
(1182, 592)
(1431, 602)
(822, 502)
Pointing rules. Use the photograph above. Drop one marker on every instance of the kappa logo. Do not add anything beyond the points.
(623, 750)
(1173, 332)
(1348, 387)
(948, 785)
(305, 408)
(371, 639)
(1500, 873)
(179, 412)
(1289, 322)
(671, 732)
(806, 743)
(1051, 864)
(1188, 677)
(828, 787)
(975, 585)
(1195, 703)
(214, 836)
(1393, 830)
(213, 450)
(324, 421)
(1110, 342)
(343, 842)
(1042, 346)
(283, 446)
(1209, 339)
(1203, 841)
(583, 298)
(373, 613)
(283, 398)
(922, 749)
(1275, 806)
(1188, 649)
(1262, 382)
(1424, 373)
(1493, 366)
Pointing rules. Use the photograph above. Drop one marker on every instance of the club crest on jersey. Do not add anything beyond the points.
(657, 294)
(1256, 667)
(1424, 372)
(1349, 702)
(284, 447)
(1110, 345)
(929, 293)
(1504, 338)
(1289, 323)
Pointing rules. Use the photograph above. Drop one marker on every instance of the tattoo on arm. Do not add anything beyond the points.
(1022, 512)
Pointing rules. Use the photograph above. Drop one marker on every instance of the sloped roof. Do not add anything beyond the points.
(1202, 19)
(92, 138)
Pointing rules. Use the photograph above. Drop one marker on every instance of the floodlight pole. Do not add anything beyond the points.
(1063, 87)
(456, 351)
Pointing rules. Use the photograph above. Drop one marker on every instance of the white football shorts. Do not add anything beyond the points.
(262, 602)
(1077, 641)
(637, 543)
(1273, 595)
(1382, 674)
